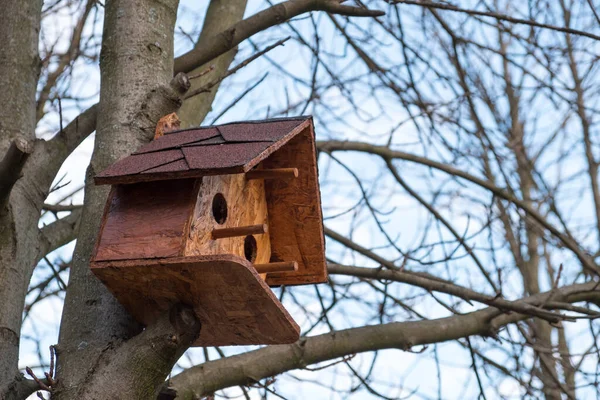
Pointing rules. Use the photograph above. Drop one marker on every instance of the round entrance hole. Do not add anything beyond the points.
(219, 208)
(250, 248)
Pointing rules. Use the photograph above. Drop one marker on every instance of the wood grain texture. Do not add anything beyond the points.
(146, 220)
(235, 306)
(246, 205)
(295, 217)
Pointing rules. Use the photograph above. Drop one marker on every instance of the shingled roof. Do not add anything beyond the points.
(231, 148)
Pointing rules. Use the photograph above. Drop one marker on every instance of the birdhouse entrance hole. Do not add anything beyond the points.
(250, 248)
(219, 208)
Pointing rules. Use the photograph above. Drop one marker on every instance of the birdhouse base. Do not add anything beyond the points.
(234, 305)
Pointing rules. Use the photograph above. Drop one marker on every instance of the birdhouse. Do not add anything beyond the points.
(211, 217)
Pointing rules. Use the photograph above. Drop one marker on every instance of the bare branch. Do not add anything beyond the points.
(255, 365)
(386, 153)
(445, 287)
(235, 69)
(11, 167)
(60, 232)
(501, 17)
(22, 387)
(275, 15)
(55, 208)
(85, 123)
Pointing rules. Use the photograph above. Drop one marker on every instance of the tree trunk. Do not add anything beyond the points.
(19, 70)
(97, 336)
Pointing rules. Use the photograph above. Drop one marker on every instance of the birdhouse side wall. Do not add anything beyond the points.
(146, 220)
(295, 217)
(246, 205)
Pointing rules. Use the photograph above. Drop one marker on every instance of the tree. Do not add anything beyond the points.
(459, 171)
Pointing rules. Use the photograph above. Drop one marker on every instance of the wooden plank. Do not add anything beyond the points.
(235, 306)
(146, 220)
(295, 218)
(279, 173)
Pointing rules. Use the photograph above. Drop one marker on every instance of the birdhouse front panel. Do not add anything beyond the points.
(210, 217)
(218, 209)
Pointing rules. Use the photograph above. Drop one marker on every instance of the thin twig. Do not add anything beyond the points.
(211, 84)
(498, 16)
(206, 71)
(41, 384)
(237, 99)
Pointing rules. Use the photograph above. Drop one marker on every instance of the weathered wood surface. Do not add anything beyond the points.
(295, 218)
(146, 220)
(246, 206)
(235, 306)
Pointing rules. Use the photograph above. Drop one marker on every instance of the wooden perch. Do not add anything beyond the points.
(276, 173)
(276, 267)
(11, 167)
(239, 231)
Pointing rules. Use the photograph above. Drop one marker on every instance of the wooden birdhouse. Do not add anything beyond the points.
(211, 217)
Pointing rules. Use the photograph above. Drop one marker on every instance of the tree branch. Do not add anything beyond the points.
(387, 154)
(220, 15)
(59, 233)
(501, 17)
(255, 365)
(260, 21)
(216, 81)
(11, 167)
(83, 126)
(21, 388)
(56, 208)
(445, 287)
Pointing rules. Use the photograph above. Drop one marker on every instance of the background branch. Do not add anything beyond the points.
(498, 16)
(255, 365)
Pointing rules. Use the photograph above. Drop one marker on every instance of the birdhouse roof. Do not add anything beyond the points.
(230, 148)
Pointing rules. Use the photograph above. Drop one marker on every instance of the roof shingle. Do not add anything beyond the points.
(175, 140)
(229, 148)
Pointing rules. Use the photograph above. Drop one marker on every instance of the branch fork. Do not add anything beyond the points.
(11, 167)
